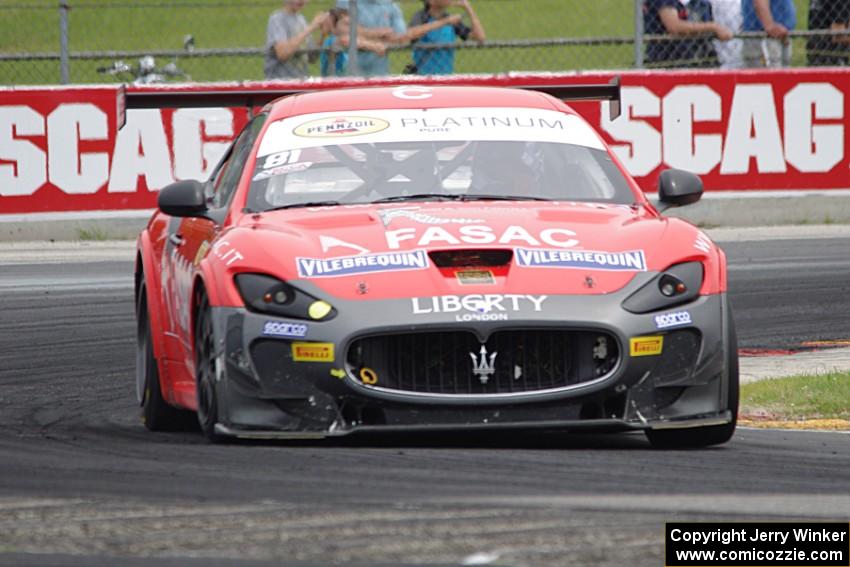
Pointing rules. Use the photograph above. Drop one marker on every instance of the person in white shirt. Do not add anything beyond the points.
(728, 13)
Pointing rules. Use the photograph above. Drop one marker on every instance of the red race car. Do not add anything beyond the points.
(436, 258)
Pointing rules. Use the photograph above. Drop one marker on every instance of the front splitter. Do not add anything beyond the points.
(599, 425)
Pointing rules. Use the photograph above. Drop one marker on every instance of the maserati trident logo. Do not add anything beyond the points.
(482, 367)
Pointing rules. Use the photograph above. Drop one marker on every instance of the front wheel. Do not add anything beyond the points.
(205, 370)
(157, 414)
(713, 434)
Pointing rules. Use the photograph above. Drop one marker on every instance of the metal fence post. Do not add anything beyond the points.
(353, 67)
(639, 34)
(64, 65)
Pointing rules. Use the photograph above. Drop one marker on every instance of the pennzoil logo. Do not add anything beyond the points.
(646, 346)
(340, 127)
(313, 352)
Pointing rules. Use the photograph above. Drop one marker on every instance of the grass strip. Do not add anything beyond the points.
(805, 401)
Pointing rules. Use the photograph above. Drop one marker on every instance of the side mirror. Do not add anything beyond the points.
(677, 188)
(183, 199)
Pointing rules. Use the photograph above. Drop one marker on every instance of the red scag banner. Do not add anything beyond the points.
(61, 148)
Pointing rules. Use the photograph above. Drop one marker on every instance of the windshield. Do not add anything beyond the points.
(461, 154)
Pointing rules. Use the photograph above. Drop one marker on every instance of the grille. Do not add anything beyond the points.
(445, 362)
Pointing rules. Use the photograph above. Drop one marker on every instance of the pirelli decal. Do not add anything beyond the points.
(313, 352)
(646, 346)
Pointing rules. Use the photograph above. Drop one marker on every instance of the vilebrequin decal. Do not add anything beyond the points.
(632, 260)
(362, 264)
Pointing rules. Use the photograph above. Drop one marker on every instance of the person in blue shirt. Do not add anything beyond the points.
(776, 18)
(333, 60)
(379, 20)
(441, 61)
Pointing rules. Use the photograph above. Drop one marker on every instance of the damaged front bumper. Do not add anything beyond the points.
(266, 390)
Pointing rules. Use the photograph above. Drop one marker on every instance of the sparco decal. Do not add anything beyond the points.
(281, 329)
(676, 319)
(632, 261)
(478, 307)
(362, 264)
(481, 234)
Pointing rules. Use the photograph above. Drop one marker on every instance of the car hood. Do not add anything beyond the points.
(460, 248)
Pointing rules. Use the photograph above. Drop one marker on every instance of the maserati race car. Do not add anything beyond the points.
(442, 258)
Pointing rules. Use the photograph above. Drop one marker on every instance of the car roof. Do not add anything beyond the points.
(411, 96)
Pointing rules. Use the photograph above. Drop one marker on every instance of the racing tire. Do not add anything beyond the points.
(157, 414)
(205, 370)
(714, 434)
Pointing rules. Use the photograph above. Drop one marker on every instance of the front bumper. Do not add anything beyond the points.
(264, 395)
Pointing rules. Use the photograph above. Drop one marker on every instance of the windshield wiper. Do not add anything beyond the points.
(307, 204)
(415, 196)
(477, 197)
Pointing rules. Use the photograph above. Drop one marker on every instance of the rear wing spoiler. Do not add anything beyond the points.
(239, 96)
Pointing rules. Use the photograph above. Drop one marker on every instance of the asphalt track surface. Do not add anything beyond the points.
(83, 483)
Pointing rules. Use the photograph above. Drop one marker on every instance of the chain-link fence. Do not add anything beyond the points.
(53, 41)
(732, 34)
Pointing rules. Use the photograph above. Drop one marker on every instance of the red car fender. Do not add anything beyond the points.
(152, 278)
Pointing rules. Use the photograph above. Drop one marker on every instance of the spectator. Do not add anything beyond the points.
(682, 19)
(334, 56)
(440, 61)
(832, 15)
(728, 14)
(776, 18)
(286, 31)
(378, 20)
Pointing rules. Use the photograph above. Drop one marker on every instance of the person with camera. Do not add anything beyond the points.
(433, 25)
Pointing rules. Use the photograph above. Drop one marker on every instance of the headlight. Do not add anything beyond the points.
(676, 285)
(265, 294)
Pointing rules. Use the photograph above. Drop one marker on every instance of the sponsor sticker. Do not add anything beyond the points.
(702, 243)
(475, 277)
(387, 216)
(281, 329)
(478, 307)
(340, 127)
(361, 264)
(646, 346)
(481, 234)
(368, 376)
(631, 261)
(676, 319)
(313, 352)
(282, 169)
(201, 253)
